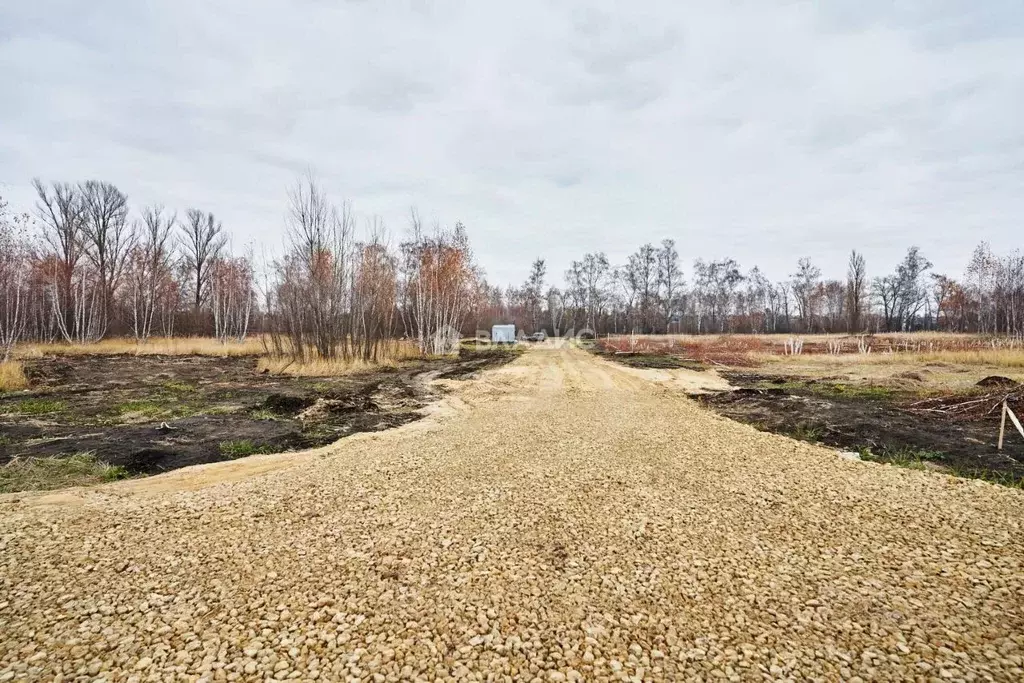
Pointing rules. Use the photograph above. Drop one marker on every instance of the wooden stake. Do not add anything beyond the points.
(1014, 420)
(1002, 426)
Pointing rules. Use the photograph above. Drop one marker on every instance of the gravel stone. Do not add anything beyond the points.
(554, 519)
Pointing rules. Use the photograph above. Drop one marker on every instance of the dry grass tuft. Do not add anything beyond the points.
(1000, 358)
(156, 346)
(12, 376)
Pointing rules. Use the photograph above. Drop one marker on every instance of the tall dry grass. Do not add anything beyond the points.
(393, 354)
(994, 358)
(12, 376)
(156, 346)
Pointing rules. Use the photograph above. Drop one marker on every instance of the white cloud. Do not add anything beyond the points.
(756, 130)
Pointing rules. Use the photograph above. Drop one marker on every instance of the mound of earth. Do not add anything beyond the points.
(997, 381)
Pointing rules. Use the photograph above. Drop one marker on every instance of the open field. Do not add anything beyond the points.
(150, 413)
(560, 518)
(929, 400)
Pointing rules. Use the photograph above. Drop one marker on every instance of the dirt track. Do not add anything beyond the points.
(560, 519)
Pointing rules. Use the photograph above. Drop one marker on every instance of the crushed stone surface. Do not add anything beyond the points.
(558, 520)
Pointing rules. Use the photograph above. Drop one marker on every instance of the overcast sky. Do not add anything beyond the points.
(759, 130)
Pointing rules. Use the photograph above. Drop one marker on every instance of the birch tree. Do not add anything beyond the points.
(150, 270)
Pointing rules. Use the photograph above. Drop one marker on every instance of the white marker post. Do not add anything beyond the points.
(1002, 423)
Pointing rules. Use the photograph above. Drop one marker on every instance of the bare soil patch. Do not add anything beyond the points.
(151, 414)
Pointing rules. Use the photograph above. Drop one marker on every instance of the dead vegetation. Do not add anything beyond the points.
(12, 376)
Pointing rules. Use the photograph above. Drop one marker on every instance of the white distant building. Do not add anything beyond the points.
(503, 334)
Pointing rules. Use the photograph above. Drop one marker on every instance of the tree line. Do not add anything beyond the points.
(649, 294)
(84, 265)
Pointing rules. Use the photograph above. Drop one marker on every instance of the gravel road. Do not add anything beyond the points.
(557, 519)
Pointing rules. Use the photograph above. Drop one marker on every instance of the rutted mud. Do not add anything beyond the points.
(151, 414)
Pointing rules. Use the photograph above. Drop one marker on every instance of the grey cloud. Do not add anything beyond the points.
(388, 92)
(742, 129)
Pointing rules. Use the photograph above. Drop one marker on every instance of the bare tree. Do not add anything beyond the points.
(149, 272)
(232, 293)
(109, 237)
(755, 300)
(714, 287)
(670, 282)
(640, 280)
(886, 290)
(201, 242)
(319, 264)
(61, 213)
(833, 294)
(533, 293)
(856, 291)
(440, 276)
(14, 269)
(374, 295)
(912, 290)
(595, 272)
(556, 309)
(980, 278)
(805, 284)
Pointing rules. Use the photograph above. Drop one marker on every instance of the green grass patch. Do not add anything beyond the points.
(655, 361)
(834, 389)
(179, 387)
(146, 408)
(809, 433)
(918, 459)
(911, 458)
(242, 448)
(1010, 479)
(43, 474)
(32, 406)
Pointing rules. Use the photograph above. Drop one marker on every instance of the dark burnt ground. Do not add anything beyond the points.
(151, 414)
(648, 359)
(882, 423)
